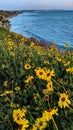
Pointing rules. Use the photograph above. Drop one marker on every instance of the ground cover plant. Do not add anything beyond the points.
(36, 84)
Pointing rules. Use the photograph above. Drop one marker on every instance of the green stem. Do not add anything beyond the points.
(31, 115)
(54, 123)
(71, 79)
(59, 85)
(39, 96)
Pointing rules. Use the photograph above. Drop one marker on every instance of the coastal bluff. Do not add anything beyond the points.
(5, 15)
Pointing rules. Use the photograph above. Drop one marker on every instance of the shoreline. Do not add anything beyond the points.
(33, 38)
(9, 14)
(14, 15)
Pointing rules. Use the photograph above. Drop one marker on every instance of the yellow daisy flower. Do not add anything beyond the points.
(18, 116)
(27, 66)
(12, 54)
(49, 86)
(70, 69)
(49, 74)
(64, 100)
(24, 126)
(66, 45)
(17, 88)
(48, 114)
(6, 92)
(34, 127)
(29, 78)
(40, 73)
(40, 123)
(67, 63)
(45, 91)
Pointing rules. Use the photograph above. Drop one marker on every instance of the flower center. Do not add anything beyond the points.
(63, 99)
(40, 73)
(27, 66)
(40, 123)
(48, 74)
(49, 110)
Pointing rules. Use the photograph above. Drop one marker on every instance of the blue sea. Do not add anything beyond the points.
(53, 26)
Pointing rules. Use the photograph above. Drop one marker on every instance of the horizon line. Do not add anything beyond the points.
(36, 9)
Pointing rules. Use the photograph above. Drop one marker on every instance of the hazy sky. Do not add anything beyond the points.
(36, 4)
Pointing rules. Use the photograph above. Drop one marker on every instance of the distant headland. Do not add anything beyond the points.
(5, 15)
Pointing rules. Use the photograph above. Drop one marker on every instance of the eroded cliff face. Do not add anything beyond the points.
(5, 15)
(4, 22)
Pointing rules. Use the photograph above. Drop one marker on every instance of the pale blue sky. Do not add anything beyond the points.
(36, 4)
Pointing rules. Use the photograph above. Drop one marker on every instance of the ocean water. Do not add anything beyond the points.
(53, 25)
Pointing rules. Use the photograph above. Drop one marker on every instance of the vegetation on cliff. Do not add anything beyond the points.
(5, 15)
(36, 84)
